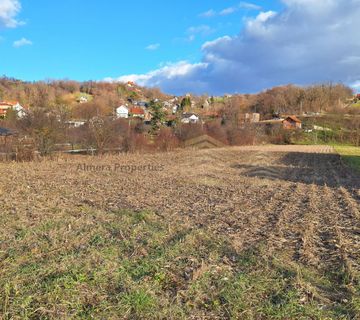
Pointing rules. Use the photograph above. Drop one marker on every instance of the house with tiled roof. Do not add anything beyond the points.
(288, 123)
(137, 112)
(292, 122)
(189, 118)
(5, 106)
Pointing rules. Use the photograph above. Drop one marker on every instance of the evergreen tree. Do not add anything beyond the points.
(158, 116)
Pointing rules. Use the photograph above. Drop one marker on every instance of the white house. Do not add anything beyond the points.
(194, 119)
(20, 110)
(122, 112)
(190, 118)
(5, 106)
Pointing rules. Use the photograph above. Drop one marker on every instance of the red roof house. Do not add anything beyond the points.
(137, 112)
(11, 105)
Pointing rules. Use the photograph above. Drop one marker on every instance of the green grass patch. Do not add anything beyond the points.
(138, 265)
(350, 154)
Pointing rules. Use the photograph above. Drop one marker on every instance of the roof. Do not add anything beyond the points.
(122, 108)
(6, 132)
(12, 104)
(293, 118)
(137, 110)
(193, 117)
(9, 103)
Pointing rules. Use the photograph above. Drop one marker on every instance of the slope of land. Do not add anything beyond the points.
(236, 233)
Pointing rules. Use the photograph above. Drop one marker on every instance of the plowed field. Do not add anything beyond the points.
(237, 233)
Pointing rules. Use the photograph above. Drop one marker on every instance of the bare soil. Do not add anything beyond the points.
(300, 201)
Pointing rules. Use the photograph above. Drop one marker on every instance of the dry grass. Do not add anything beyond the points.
(215, 234)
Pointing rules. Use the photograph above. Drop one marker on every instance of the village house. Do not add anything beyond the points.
(122, 112)
(288, 123)
(137, 112)
(292, 122)
(190, 118)
(5, 106)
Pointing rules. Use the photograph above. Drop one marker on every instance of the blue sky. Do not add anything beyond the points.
(198, 46)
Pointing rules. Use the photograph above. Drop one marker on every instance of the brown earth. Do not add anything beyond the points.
(302, 201)
(299, 197)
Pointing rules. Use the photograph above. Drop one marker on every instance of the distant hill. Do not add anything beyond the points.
(104, 96)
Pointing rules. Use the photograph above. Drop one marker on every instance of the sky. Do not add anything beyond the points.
(203, 46)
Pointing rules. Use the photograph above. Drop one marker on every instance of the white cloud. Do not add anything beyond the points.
(9, 9)
(203, 30)
(249, 6)
(227, 11)
(309, 41)
(22, 42)
(215, 42)
(169, 77)
(194, 31)
(208, 14)
(153, 47)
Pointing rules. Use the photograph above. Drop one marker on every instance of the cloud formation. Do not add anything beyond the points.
(249, 6)
(9, 9)
(230, 10)
(153, 47)
(208, 14)
(22, 42)
(173, 77)
(309, 41)
(227, 11)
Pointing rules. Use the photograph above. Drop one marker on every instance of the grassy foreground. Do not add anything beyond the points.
(91, 264)
(351, 155)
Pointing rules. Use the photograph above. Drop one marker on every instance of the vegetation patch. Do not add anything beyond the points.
(351, 155)
(136, 265)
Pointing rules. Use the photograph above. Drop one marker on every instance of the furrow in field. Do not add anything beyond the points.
(277, 215)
